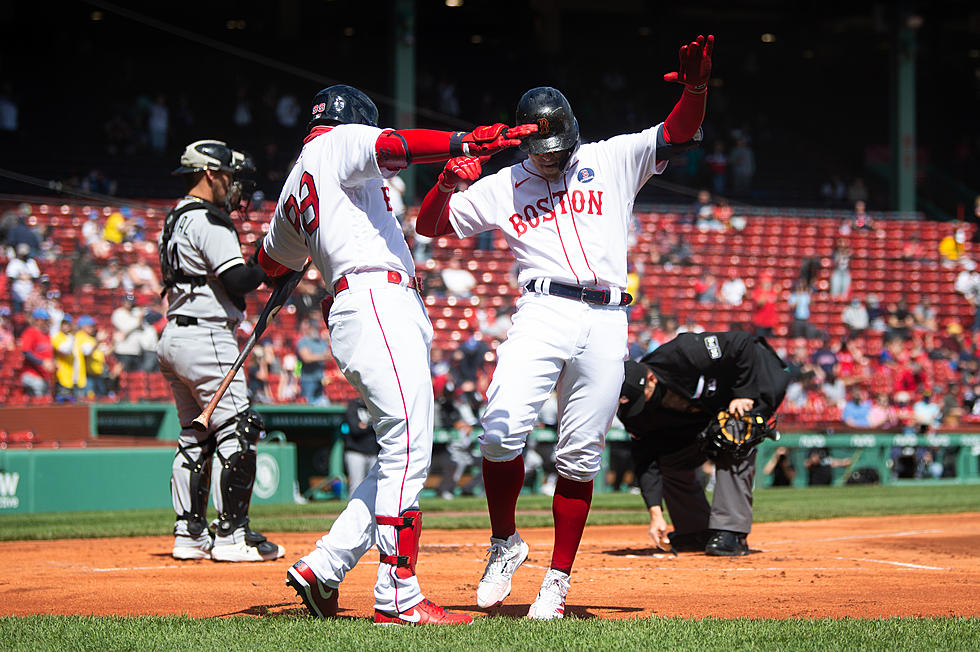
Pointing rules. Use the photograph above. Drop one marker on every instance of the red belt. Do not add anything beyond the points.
(414, 282)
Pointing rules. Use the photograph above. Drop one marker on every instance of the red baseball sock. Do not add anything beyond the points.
(502, 482)
(570, 508)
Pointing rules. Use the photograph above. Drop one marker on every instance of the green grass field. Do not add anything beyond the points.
(286, 632)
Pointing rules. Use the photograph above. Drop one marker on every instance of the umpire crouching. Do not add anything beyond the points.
(668, 399)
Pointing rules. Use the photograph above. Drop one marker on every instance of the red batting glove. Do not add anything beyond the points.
(462, 169)
(695, 64)
(494, 138)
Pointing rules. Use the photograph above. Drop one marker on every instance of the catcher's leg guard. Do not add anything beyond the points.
(191, 484)
(238, 471)
(408, 530)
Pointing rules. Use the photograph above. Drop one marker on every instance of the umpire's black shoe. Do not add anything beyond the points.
(727, 544)
(689, 541)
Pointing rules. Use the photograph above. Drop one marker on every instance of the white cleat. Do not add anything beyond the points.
(188, 547)
(245, 545)
(550, 603)
(504, 558)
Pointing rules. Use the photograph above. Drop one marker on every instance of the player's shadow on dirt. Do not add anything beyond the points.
(636, 552)
(277, 611)
(573, 610)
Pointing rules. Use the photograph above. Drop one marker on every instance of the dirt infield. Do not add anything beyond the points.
(923, 565)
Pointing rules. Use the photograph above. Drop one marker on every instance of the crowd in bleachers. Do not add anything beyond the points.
(875, 317)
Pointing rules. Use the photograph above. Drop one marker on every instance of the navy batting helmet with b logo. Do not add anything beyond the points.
(557, 127)
(344, 105)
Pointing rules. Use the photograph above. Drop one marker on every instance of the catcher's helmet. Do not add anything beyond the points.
(213, 155)
(343, 104)
(557, 126)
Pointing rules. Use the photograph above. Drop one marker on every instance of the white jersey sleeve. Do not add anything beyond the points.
(220, 249)
(636, 156)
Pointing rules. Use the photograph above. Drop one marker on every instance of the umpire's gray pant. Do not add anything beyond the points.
(731, 506)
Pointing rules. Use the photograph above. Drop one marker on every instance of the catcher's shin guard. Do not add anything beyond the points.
(408, 530)
(195, 473)
(238, 471)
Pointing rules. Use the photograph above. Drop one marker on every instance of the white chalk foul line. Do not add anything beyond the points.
(893, 563)
(132, 568)
(910, 533)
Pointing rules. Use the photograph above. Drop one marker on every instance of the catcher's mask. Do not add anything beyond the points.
(735, 436)
(217, 155)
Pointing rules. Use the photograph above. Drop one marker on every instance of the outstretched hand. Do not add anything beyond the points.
(491, 139)
(462, 169)
(695, 64)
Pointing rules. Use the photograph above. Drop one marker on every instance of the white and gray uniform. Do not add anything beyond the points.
(334, 209)
(198, 345)
(572, 231)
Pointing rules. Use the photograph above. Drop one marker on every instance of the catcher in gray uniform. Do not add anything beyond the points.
(206, 280)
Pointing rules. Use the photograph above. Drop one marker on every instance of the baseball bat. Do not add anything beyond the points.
(276, 301)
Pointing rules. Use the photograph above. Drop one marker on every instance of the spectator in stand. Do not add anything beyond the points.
(764, 298)
(742, 160)
(840, 277)
(861, 219)
(35, 376)
(900, 320)
(21, 233)
(855, 317)
(7, 340)
(313, 350)
(69, 364)
(111, 277)
(925, 317)
(857, 410)
(928, 414)
(289, 387)
(83, 269)
(702, 208)
(143, 278)
(116, 227)
(496, 329)
(913, 250)
(833, 192)
(876, 314)
(706, 288)
(717, 163)
(459, 282)
(733, 289)
(91, 346)
(127, 320)
(158, 124)
(360, 443)
(780, 467)
(951, 406)
(951, 247)
(799, 301)
(820, 465)
(857, 191)
(22, 271)
(678, 251)
(825, 358)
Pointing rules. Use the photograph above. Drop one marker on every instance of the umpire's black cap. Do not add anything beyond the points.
(634, 389)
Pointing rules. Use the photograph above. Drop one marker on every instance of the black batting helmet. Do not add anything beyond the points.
(343, 104)
(557, 127)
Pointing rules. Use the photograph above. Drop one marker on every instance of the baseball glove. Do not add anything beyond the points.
(734, 435)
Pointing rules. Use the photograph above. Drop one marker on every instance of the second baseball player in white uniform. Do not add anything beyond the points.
(335, 209)
(565, 212)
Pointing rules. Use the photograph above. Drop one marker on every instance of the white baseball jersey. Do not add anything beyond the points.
(202, 249)
(573, 230)
(334, 208)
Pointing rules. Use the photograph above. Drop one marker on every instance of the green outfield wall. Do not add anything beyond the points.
(65, 480)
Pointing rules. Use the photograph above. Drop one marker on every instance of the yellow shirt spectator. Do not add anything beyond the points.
(115, 226)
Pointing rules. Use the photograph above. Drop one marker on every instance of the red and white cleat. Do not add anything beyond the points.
(320, 599)
(424, 613)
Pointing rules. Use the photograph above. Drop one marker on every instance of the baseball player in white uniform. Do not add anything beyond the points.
(565, 212)
(206, 278)
(334, 208)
